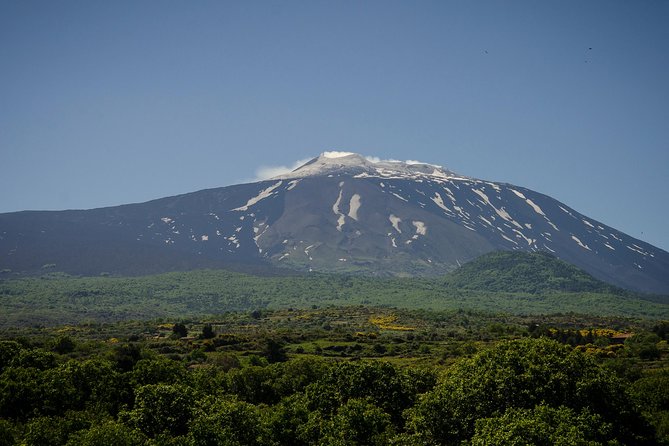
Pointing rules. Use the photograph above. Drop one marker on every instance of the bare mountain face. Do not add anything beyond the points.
(340, 212)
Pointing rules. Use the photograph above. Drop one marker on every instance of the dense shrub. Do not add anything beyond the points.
(523, 374)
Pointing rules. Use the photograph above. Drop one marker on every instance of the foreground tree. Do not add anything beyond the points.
(226, 422)
(524, 374)
(107, 433)
(180, 330)
(162, 409)
(652, 395)
(391, 389)
(358, 422)
(542, 425)
(207, 332)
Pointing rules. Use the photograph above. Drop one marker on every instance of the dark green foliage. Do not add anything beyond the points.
(7, 434)
(126, 355)
(180, 330)
(107, 433)
(294, 376)
(64, 344)
(652, 392)
(74, 385)
(519, 272)
(268, 384)
(162, 409)
(226, 422)
(35, 358)
(59, 391)
(523, 374)
(159, 370)
(542, 425)
(46, 431)
(20, 395)
(358, 422)
(8, 351)
(535, 284)
(252, 384)
(207, 332)
(292, 423)
(382, 384)
(274, 351)
(451, 379)
(98, 384)
(644, 345)
(54, 430)
(652, 395)
(662, 330)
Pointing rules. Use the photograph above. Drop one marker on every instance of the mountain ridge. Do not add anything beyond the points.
(342, 214)
(352, 163)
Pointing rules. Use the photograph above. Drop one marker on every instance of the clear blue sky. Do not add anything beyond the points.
(111, 102)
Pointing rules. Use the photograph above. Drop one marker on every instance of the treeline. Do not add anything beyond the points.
(56, 299)
(525, 391)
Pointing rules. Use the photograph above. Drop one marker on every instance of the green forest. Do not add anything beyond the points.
(56, 298)
(532, 353)
(356, 375)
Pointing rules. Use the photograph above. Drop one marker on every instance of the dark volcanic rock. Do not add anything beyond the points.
(336, 213)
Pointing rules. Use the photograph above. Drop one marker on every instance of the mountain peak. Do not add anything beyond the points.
(335, 163)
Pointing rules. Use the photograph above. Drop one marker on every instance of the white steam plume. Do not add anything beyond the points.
(266, 172)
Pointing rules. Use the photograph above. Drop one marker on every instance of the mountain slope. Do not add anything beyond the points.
(520, 272)
(337, 213)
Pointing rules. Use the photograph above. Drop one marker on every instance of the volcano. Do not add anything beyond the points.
(339, 212)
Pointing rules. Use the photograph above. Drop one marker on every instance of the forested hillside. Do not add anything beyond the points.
(534, 284)
(356, 376)
(518, 272)
(484, 356)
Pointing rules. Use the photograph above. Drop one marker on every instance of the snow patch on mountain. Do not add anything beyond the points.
(501, 212)
(580, 243)
(258, 232)
(440, 202)
(567, 211)
(395, 221)
(481, 217)
(265, 193)
(534, 206)
(359, 166)
(400, 197)
(421, 229)
(508, 239)
(638, 249)
(335, 154)
(335, 208)
(537, 209)
(519, 234)
(354, 206)
(234, 240)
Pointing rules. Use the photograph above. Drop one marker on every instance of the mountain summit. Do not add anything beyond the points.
(339, 212)
(348, 163)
